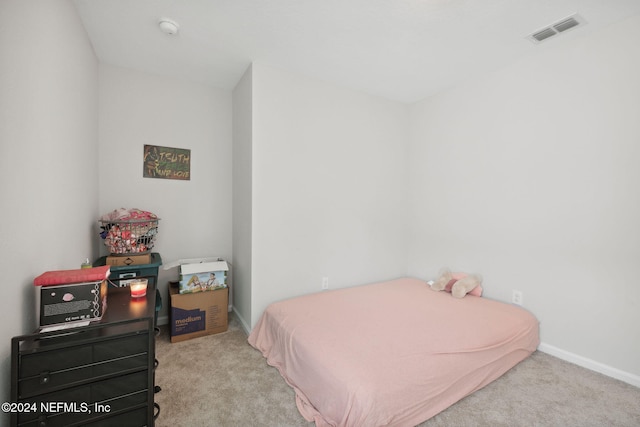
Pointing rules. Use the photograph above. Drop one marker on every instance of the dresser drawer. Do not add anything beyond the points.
(90, 402)
(46, 371)
(135, 418)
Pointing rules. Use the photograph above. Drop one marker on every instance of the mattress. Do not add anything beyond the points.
(390, 354)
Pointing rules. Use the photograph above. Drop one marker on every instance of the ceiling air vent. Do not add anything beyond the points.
(557, 28)
(566, 24)
(544, 34)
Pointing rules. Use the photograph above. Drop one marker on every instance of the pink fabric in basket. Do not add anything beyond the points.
(392, 353)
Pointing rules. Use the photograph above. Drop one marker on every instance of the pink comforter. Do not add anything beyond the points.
(393, 353)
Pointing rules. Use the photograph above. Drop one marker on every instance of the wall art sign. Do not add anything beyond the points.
(166, 162)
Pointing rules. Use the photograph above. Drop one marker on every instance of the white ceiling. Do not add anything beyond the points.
(404, 50)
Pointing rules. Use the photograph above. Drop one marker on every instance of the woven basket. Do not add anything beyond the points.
(133, 236)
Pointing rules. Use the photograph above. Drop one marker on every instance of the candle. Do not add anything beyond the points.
(138, 288)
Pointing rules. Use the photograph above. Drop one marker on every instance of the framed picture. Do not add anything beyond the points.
(166, 163)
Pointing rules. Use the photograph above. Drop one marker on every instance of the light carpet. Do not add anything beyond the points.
(220, 380)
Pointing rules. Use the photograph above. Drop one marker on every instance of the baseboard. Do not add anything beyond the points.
(243, 323)
(592, 365)
(163, 320)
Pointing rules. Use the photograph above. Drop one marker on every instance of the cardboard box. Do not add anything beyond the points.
(71, 296)
(197, 314)
(128, 260)
(228, 278)
(201, 274)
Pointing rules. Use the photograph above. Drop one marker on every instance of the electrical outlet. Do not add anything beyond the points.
(325, 283)
(516, 298)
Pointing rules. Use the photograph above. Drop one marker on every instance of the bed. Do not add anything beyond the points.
(393, 353)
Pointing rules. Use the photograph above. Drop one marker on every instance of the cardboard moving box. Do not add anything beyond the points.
(197, 314)
(203, 276)
(200, 274)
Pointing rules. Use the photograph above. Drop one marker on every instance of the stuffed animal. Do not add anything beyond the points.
(441, 283)
(466, 284)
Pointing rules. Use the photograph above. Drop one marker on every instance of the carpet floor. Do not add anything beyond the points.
(220, 380)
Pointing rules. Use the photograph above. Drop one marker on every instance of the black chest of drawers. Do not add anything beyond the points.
(96, 375)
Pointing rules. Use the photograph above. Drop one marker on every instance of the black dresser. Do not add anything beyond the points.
(96, 375)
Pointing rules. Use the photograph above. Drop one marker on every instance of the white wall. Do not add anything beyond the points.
(48, 155)
(242, 211)
(530, 176)
(328, 187)
(138, 108)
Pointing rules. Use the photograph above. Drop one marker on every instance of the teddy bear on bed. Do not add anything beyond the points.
(459, 284)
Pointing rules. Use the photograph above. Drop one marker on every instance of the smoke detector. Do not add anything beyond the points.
(565, 24)
(168, 26)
